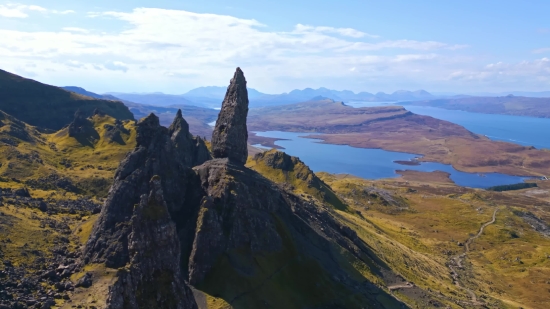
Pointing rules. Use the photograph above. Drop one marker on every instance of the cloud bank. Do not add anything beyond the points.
(168, 50)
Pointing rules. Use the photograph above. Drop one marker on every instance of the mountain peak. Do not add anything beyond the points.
(229, 139)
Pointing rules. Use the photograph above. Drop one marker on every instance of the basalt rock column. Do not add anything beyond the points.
(229, 139)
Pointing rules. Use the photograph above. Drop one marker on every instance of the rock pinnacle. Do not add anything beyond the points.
(229, 139)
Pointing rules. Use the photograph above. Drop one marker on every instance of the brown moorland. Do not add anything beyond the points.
(396, 129)
(506, 266)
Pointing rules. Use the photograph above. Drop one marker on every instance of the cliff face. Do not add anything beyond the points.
(229, 231)
(230, 134)
(152, 277)
(48, 106)
(159, 152)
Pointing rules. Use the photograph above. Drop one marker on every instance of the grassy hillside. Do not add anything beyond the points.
(425, 236)
(48, 106)
(294, 174)
(51, 189)
(56, 163)
(507, 266)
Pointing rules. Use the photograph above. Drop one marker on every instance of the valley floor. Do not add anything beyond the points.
(472, 247)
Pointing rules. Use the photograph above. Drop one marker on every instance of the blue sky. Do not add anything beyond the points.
(174, 46)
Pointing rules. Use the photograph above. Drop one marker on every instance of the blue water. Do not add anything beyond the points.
(373, 163)
(526, 131)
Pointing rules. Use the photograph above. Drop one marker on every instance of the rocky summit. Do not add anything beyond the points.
(229, 139)
(177, 221)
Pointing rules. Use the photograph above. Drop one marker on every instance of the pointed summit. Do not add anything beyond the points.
(179, 124)
(229, 139)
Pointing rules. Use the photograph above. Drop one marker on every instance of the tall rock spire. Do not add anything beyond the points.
(229, 139)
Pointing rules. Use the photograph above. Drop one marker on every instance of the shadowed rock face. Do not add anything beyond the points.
(82, 129)
(80, 125)
(143, 220)
(229, 139)
(152, 278)
(158, 152)
(192, 150)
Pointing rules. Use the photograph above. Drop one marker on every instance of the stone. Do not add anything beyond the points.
(43, 206)
(85, 282)
(22, 192)
(230, 136)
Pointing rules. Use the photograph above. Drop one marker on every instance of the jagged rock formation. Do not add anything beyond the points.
(158, 152)
(81, 126)
(113, 133)
(192, 150)
(16, 129)
(229, 139)
(242, 237)
(152, 278)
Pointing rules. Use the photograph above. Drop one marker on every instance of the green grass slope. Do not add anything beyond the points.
(290, 171)
(59, 164)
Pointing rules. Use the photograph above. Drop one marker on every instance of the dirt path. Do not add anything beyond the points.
(456, 261)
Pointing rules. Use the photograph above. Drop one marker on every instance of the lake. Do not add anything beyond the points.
(526, 131)
(373, 163)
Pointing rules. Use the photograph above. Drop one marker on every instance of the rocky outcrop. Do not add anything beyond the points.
(192, 149)
(152, 277)
(233, 214)
(159, 151)
(294, 175)
(229, 139)
(231, 232)
(82, 129)
(113, 133)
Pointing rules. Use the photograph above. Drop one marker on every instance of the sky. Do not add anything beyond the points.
(360, 45)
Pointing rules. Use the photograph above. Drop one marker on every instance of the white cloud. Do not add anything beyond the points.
(348, 32)
(116, 66)
(14, 10)
(75, 29)
(178, 49)
(536, 71)
(18, 10)
(541, 50)
(65, 12)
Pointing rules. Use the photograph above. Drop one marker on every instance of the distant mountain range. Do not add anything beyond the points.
(212, 96)
(504, 105)
(532, 94)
